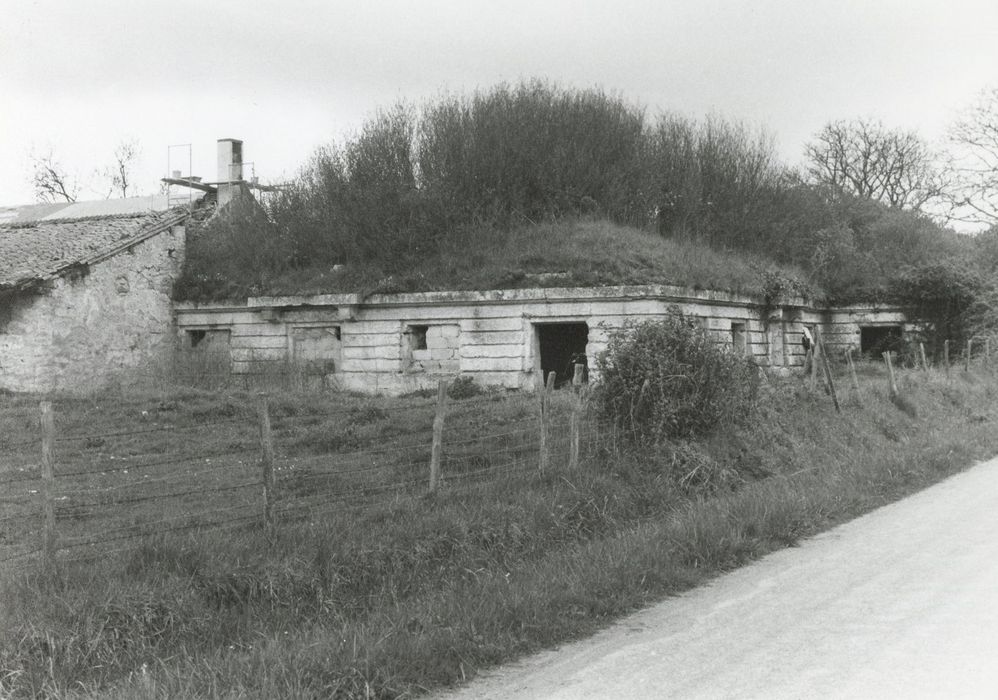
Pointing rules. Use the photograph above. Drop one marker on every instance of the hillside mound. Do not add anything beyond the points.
(566, 253)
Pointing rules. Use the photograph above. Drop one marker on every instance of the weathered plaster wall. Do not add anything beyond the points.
(492, 335)
(93, 327)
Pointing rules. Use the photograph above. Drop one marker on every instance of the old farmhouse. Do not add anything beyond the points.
(85, 292)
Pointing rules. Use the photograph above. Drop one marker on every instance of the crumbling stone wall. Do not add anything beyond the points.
(433, 348)
(96, 326)
(399, 343)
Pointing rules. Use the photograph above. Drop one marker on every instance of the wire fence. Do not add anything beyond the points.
(68, 494)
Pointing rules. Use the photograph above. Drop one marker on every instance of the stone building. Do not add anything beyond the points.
(85, 291)
(397, 343)
(85, 301)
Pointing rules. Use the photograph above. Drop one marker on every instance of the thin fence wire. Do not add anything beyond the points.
(178, 478)
(307, 485)
(36, 477)
(146, 529)
(104, 553)
(172, 429)
(201, 491)
(21, 443)
(161, 463)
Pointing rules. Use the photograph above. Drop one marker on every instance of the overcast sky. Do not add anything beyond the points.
(79, 77)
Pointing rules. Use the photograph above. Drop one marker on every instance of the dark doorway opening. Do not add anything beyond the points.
(875, 340)
(562, 346)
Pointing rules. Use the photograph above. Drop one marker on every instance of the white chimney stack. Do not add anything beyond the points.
(230, 170)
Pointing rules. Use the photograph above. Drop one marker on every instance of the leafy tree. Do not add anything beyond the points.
(942, 294)
(530, 152)
(712, 180)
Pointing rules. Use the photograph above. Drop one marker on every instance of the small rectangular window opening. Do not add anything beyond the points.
(196, 337)
(417, 337)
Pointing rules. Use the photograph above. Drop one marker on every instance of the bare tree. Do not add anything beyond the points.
(865, 159)
(973, 162)
(119, 174)
(51, 181)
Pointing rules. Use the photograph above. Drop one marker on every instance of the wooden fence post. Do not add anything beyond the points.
(544, 390)
(828, 371)
(812, 354)
(542, 435)
(267, 463)
(852, 370)
(48, 486)
(925, 362)
(575, 431)
(436, 451)
(966, 360)
(946, 355)
(891, 383)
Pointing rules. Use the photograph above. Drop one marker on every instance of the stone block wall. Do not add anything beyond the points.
(403, 342)
(95, 326)
(432, 348)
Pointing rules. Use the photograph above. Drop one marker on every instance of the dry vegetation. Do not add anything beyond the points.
(404, 592)
(582, 253)
(503, 176)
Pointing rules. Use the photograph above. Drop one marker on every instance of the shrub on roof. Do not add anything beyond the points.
(461, 171)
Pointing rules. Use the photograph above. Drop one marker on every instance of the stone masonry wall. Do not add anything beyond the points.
(401, 343)
(96, 326)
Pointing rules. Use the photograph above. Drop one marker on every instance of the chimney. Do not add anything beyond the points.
(230, 170)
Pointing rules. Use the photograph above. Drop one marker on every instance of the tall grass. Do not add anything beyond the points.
(583, 251)
(419, 592)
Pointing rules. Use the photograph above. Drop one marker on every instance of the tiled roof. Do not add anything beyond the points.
(100, 207)
(35, 251)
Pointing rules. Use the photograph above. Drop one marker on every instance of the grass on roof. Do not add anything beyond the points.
(581, 253)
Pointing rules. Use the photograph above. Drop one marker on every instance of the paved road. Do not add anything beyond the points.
(901, 603)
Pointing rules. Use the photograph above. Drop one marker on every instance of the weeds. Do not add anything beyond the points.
(667, 379)
(390, 598)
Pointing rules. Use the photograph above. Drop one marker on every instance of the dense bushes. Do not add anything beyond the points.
(667, 379)
(948, 297)
(458, 173)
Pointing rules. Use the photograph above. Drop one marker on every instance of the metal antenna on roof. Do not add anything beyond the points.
(170, 172)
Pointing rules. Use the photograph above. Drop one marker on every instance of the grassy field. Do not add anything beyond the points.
(399, 591)
(191, 459)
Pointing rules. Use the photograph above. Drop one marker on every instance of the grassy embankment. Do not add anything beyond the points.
(417, 592)
(584, 252)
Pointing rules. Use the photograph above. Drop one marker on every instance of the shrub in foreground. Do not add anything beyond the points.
(667, 379)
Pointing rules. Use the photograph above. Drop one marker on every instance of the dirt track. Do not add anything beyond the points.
(901, 603)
